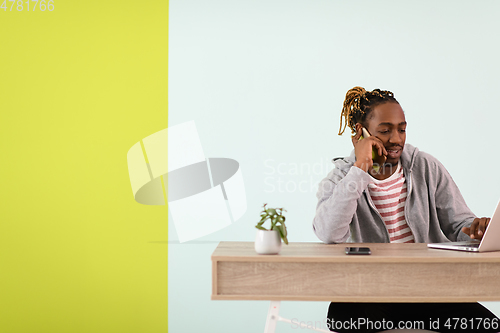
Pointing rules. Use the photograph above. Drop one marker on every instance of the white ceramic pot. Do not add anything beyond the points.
(268, 242)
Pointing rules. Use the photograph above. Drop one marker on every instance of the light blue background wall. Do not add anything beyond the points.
(265, 82)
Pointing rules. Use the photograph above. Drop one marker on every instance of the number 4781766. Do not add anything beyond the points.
(20, 5)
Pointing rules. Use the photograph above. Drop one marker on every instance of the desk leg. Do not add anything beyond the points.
(272, 317)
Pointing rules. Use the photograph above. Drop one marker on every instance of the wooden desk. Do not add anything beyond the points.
(321, 272)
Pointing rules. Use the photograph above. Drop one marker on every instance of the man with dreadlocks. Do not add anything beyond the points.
(403, 196)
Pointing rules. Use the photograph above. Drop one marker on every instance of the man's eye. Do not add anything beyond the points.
(384, 132)
(402, 131)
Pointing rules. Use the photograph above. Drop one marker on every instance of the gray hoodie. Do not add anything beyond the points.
(435, 210)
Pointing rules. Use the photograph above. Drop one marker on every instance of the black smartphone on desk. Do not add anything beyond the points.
(358, 250)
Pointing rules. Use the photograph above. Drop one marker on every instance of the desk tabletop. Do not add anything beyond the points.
(320, 252)
(322, 272)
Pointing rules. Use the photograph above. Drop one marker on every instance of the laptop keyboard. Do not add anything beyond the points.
(467, 244)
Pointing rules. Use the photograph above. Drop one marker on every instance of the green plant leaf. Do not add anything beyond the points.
(271, 211)
(273, 221)
(275, 215)
(264, 218)
(285, 240)
(280, 231)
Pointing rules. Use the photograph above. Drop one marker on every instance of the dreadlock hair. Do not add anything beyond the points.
(358, 103)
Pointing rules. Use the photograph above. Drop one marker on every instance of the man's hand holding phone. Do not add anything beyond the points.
(363, 148)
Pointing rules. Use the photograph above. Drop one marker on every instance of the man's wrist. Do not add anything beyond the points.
(365, 166)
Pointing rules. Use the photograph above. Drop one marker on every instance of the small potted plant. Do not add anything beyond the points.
(268, 241)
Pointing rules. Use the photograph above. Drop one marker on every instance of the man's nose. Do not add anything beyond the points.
(395, 137)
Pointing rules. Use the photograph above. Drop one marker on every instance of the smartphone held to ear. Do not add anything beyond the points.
(367, 135)
(377, 159)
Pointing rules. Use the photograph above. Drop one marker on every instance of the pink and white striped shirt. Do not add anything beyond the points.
(389, 197)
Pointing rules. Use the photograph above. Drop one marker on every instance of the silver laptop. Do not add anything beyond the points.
(489, 242)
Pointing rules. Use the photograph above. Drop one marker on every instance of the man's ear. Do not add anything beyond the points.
(358, 127)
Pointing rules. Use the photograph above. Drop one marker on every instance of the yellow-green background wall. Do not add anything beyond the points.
(78, 87)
